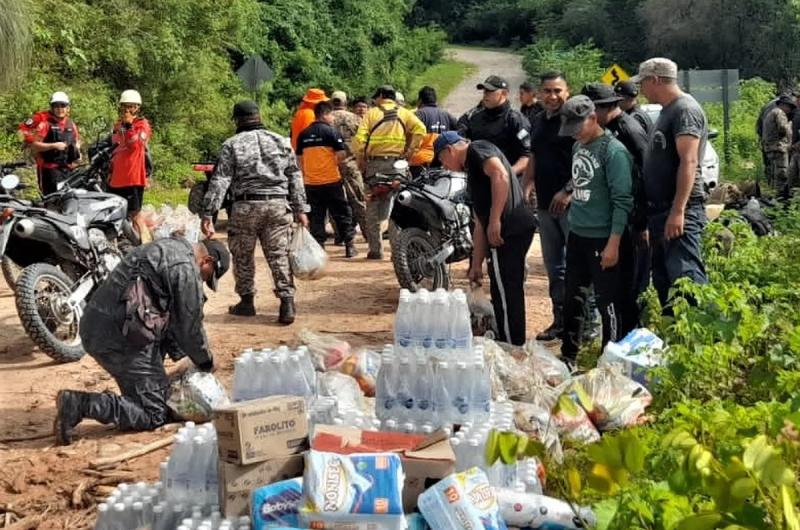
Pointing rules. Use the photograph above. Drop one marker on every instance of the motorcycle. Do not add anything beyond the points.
(433, 220)
(68, 244)
(199, 189)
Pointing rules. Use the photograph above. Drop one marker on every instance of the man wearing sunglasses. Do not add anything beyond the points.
(54, 139)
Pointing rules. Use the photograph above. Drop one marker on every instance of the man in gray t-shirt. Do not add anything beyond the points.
(673, 178)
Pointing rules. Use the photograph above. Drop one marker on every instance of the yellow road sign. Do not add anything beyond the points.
(614, 75)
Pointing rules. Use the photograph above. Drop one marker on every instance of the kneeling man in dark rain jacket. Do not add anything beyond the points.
(151, 305)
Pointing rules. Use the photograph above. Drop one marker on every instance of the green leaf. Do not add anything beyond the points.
(703, 521)
(789, 512)
(574, 482)
(743, 488)
(605, 511)
(756, 453)
(633, 452)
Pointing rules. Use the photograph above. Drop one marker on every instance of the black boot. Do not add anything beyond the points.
(286, 314)
(350, 250)
(69, 413)
(555, 330)
(244, 308)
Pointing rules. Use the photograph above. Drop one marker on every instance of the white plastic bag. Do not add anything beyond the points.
(306, 257)
(195, 395)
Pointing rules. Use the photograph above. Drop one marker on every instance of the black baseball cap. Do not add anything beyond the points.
(626, 89)
(245, 108)
(573, 113)
(222, 260)
(601, 93)
(385, 91)
(493, 82)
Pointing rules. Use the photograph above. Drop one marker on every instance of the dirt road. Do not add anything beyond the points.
(504, 64)
(355, 300)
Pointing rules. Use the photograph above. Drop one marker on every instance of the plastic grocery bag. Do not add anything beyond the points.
(573, 422)
(536, 420)
(611, 400)
(481, 312)
(545, 363)
(306, 257)
(195, 395)
(342, 387)
(327, 351)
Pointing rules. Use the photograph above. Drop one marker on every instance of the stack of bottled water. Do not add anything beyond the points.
(185, 498)
(190, 474)
(269, 372)
(434, 325)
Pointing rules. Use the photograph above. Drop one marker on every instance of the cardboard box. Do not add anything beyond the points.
(236, 483)
(426, 460)
(261, 429)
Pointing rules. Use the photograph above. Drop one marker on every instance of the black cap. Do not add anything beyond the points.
(245, 108)
(385, 91)
(600, 93)
(527, 86)
(493, 82)
(222, 260)
(573, 113)
(626, 89)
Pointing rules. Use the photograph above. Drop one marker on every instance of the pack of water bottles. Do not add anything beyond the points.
(268, 372)
(186, 496)
(433, 325)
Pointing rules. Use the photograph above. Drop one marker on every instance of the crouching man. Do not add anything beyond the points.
(150, 305)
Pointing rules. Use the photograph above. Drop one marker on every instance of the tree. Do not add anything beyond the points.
(14, 40)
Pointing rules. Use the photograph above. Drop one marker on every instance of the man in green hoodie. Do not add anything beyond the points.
(601, 204)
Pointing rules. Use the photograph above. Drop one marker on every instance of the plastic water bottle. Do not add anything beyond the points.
(440, 319)
(405, 388)
(460, 326)
(481, 392)
(461, 393)
(404, 323)
(177, 469)
(199, 468)
(240, 379)
(445, 374)
(259, 381)
(276, 377)
(386, 386)
(423, 392)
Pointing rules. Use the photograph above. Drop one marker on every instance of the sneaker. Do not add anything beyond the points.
(374, 255)
(551, 333)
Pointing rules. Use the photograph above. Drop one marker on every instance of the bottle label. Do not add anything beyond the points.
(423, 404)
(427, 342)
(388, 403)
(442, 344)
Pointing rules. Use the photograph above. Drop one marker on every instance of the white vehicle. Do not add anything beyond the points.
(710, 156)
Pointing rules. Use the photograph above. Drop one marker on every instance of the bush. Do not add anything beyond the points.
(581, 64)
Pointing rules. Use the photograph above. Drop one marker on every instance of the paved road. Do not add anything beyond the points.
(504, 64)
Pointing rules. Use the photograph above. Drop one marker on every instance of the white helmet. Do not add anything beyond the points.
(131, 97)
(399, 98)
(59, 97)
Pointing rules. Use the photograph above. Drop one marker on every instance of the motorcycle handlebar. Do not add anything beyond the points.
(13, 165)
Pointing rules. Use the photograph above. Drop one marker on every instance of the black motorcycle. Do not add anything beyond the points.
(432, 217)
(67, 243)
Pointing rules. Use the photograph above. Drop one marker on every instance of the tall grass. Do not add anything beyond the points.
(15, 39)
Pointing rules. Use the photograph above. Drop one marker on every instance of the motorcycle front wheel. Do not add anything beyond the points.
(41, 298)
(411, 248)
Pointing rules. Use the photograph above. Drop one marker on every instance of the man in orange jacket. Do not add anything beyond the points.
(305, 113)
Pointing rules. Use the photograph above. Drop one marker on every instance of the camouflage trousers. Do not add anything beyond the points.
(354, 188)
(793, 174)
(270, 222)
(778, 170)
(378, 207)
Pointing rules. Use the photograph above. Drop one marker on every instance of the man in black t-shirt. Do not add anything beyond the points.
(629, 93)
(548, 173)
(504, 226)
(673, 178)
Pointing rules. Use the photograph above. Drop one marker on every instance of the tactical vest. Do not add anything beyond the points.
(59, 133)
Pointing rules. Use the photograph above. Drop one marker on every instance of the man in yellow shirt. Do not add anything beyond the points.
(387, 133)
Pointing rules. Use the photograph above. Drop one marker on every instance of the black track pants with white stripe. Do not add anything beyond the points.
(583, 271)
(506, 280)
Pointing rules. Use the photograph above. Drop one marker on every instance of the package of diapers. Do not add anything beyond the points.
(462, 501)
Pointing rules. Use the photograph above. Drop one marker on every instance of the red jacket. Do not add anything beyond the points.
(45, 127)
(128, 161)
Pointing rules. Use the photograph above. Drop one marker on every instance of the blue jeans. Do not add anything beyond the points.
(677, 258)
(553, 233)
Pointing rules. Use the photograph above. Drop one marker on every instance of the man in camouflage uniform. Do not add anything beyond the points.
(267, 188)
(347, 124)
(776, 141)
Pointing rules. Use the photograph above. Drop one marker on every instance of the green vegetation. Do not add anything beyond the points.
(722, 449)
(182, 57)
(443, 76)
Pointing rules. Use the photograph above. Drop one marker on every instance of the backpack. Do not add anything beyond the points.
(390, 115)
(145, 323)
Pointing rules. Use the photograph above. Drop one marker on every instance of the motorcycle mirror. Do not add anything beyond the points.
(400, 165)
(9, 182)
